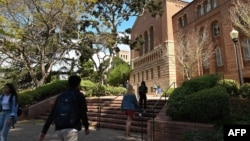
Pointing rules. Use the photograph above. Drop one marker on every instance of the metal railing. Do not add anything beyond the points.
(99, 110)
(153, 109)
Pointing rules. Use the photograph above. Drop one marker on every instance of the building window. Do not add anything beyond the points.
(146, 44)
(202, 10)
(152, 73)
(138, 74)
(216, 29)
(218, 54)
(181, 22)
(246, 48)
(208, 5)
(214, 3)
(159, 71)
(134, 78)
(199, 10)
(151, 38)
(185, 19)
(146, 74)
(142, 75)
(205, 60)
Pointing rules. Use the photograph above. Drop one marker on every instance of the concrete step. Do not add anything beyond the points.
(112, 117)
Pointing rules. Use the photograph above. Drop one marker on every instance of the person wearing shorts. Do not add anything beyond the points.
(129, 106)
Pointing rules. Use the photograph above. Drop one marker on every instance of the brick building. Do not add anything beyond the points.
(154, 61)
(214, 14)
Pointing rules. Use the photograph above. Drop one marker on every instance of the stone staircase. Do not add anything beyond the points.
(104, 112)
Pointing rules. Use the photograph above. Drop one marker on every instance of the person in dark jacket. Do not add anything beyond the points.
(129, 105)
(143, 90)
(70, 134)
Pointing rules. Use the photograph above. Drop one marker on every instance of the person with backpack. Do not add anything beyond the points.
(129, 105)
(69, 113)
(143, 90)
(8, 108)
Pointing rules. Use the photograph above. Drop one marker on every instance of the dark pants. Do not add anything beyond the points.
(143, 101)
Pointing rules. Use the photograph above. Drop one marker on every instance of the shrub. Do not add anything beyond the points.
(176, 101)
(245, 90)
(27, 98)
(230, 85)
(208, 105)
(168, 92)
(199, 83)
(214, 135)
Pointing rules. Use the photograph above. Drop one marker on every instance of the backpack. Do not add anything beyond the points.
(66, 109)
(19, 109)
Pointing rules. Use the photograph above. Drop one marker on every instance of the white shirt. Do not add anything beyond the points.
(5, 102)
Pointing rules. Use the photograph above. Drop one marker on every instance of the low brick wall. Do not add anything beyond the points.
(167, 130)
(37, 109)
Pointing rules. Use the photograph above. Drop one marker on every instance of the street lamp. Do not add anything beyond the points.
(235, 36)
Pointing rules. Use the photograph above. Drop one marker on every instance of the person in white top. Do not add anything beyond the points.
(8, 110)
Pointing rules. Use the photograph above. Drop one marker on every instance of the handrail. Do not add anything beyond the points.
(100, 111)
(153, 108)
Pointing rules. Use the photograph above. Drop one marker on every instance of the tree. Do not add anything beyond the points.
(37, 34)
(119, 74)
(240, 15)
(192, 51)
(106, 15)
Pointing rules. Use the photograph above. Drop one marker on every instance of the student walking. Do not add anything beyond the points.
(143, 90)
(69, 113)
(129, 105)
(8, 115)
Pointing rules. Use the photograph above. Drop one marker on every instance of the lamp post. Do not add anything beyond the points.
(235, 35)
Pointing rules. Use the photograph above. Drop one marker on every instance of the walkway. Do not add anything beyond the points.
(30, 130)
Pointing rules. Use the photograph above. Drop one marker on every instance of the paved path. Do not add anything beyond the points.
(30, 130)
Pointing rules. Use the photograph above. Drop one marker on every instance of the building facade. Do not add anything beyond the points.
(153, 61)
(214, 15)
(124, 55)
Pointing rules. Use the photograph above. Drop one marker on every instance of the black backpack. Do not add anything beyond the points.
(66, 109)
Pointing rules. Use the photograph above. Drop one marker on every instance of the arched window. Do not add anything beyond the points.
(219, 60)
(246, 48)
(216, 29)
(146, 44)
(151, 38)
(214, 3)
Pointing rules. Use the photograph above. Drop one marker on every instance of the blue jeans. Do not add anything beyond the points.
(4, 127)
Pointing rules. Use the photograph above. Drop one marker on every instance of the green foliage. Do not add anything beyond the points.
(110, 90)
(118, 75)
(168, 92)
(190, 102)
(32, 38)
(208, 105)
(29, 97)
(176, 101)
(214, 135)
(240, 113)
(245, 90)
(203, 82)
(95, 89)
(230, 85)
